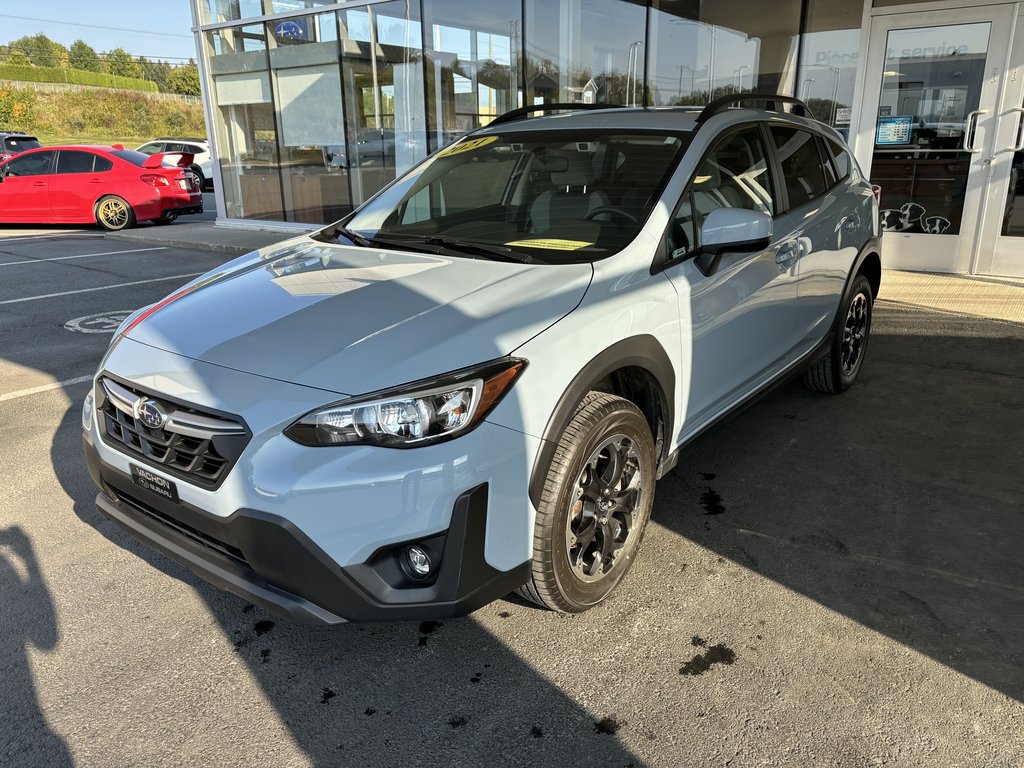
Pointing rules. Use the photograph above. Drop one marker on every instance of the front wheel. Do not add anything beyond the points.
(596, 502)
(114, 213)
(836, 371)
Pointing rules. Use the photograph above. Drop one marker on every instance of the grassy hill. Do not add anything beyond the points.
(97, 116)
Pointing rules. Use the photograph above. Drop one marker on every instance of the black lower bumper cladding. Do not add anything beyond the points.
(267, 560)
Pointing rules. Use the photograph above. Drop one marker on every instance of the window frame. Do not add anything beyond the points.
(662, 258)
(831, 144)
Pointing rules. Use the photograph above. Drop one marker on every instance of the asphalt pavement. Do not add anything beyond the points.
(827, 581)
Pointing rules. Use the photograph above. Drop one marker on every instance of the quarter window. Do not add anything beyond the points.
(35, 164)
(802, 166)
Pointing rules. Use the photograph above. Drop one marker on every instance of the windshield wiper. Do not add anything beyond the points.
(339, 229)
(498, 252)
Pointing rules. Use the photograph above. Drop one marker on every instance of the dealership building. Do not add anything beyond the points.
(314, 106)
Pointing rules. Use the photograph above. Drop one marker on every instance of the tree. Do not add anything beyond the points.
(17, 58)
(122, 64)
(83, 56)
(157, 71)
(41, 50)
(185, 80)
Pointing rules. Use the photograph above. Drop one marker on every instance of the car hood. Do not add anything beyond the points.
(353, 320)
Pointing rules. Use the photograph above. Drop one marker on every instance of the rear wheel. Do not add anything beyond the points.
(837, 371)
(114, 213)
(200, 178)
(596, 502)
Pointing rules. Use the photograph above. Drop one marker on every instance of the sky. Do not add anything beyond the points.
(156, 29)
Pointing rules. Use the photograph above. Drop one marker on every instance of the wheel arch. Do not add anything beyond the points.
(637, 369)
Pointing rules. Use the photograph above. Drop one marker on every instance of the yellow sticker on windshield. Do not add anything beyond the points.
(551, 245)
(468, 146)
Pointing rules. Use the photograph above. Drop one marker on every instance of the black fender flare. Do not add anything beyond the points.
(643, 351)
(872, 246)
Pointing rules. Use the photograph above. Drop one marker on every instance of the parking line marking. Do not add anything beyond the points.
(43, 388)
(55, 236)
(83, 256)
(100, 288)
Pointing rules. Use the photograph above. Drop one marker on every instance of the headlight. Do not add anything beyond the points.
(414, 414)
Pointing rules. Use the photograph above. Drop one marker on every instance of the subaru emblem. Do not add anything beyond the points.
(151, 414)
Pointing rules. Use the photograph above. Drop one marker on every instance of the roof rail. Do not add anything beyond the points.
(723, 103)
(521, 112)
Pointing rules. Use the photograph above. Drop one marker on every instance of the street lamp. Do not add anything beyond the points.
(679, 92)
(738, 74)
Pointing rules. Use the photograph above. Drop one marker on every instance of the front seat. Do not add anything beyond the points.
(572, 196)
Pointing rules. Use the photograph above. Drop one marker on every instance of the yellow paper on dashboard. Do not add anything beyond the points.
(551, 245)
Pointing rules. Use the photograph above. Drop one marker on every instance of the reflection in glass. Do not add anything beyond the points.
(1013, 213)
(584, 51)
(472, 65)
(382, 85)
(304, 62)
(213, 11)
(702, 50)
(931, 82)
(246, 131)
(828, 60)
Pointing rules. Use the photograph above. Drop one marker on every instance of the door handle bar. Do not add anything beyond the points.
(972, 118)
(1019, 146)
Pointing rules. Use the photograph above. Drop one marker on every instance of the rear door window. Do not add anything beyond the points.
(75, 161)
(803, 170)
(842, 158)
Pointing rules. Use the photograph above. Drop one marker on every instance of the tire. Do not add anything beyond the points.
(200, 178)
(569, 574)
(114, 213)
(836, 371)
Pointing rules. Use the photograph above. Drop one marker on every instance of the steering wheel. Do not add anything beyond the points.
(613, 210)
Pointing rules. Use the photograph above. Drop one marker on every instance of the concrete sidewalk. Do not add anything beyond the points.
(206, 236)
(998, 298)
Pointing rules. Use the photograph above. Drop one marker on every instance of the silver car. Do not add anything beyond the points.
(471, 384)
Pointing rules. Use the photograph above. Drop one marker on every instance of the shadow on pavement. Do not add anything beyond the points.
(26, 619)
(897, 505)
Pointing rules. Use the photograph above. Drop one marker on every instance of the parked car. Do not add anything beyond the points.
(110, 186)
(471, 384)
(202, 163)
(13, 142)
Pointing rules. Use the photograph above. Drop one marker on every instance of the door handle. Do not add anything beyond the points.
(39, 184)
(787, 255)
(972, 119)
(1019, 146)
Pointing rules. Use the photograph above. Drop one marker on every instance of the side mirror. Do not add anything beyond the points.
(731, 229)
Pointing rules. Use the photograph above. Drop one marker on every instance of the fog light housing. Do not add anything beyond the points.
(88, 408)
(417, 563)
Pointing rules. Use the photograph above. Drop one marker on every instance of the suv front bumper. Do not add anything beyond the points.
(267, 560)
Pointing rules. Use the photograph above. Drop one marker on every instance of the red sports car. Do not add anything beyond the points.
(111, 186)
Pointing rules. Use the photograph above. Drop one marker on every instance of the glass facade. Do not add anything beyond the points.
(318, 105)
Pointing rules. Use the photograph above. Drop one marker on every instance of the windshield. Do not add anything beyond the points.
(15, 144)
(553, 196)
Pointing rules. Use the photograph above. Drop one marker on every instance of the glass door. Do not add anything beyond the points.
(934, 83)
(1001, 244)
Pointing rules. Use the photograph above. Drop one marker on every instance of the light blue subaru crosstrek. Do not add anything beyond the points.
(470, 385)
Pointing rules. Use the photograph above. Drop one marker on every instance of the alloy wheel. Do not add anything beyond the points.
(854, 334)
(606, 496)
(114, 213)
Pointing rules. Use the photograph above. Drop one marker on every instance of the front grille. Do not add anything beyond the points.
(208, 541)
(195, 445)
